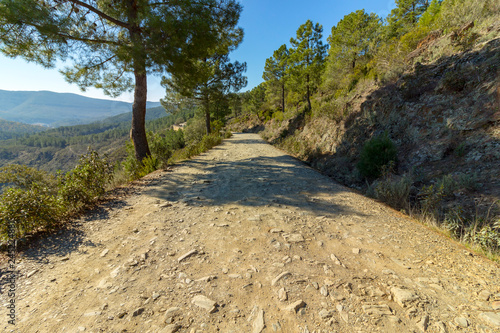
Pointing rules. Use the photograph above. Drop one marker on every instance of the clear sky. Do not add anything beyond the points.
(267, 25)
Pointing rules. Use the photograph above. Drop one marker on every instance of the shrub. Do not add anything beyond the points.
(27, 210)
(394, 192)
(86, 182)
(376, 153)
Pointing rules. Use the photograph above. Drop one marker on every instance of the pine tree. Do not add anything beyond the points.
(114, 44)
(351, 43)
(276, 72)
(307, 58)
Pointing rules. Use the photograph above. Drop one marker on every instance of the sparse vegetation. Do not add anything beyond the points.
(376, 153)
(35, 200)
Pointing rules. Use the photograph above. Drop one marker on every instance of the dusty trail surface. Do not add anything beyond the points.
(246, 239)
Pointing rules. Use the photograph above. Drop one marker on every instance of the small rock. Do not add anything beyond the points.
(104, 252)
(205, 303)
(258, 324)
(325, 314)
(121, 314)
(336, 260)
(323, 291)
(441, 327)
(356, 251)
(315, 285)
(137, 312)
(423, 323)
(491, 318)
(234, 276)
(172, 328)
(81, 329)
(187, 255)
(462, 322)
(172, 312)
(403, 296)
(279, 277)
(275, 231)
(207, 278)
(282, 295)
(495, 305)
(296, 306)
(30, 274)
(377, 310)
(484, 295)
(294, 238)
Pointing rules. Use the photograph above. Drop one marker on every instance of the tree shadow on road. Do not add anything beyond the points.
(259, 181)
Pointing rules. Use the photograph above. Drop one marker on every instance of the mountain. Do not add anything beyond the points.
(58, 109)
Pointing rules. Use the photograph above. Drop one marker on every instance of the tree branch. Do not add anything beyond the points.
(101, 14)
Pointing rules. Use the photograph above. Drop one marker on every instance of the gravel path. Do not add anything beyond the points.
(247, 239)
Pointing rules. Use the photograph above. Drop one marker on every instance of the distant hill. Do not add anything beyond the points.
(12, 129)
(58, 109)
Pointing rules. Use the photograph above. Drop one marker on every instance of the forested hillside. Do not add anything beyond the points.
(11, 129)
(58, 109)
(404, 108)
(60, 148)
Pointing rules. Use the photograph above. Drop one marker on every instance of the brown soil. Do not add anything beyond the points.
(247, 239)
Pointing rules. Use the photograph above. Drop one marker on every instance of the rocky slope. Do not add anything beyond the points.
(247, 239)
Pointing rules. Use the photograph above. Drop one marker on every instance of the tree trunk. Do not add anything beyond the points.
(283, 98)
(207, 114)
(308, 93)
(138, 130)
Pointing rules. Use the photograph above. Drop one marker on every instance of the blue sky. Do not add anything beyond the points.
(267, 25)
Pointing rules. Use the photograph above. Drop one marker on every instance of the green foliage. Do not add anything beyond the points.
(307, 59)
(351, 44)
(276, 74)
(394, 191)
(376, 153)
(195, 130)
(37, 200)
(27, 210)
(430, 199)
(196, 147)
(26, 178)
(86, 182)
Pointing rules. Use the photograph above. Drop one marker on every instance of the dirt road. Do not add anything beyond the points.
(246, 239)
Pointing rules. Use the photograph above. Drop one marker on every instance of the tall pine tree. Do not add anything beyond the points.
(275, 72)
(307, 58)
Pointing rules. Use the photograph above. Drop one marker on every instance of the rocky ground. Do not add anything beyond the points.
(247, 239)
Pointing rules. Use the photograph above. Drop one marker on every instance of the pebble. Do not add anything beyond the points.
(462, 322)
(187, 255)
(484, 295)
(279, 277)
(30, 274)
(377, 310)
(205, 303)
(258, 324)
(171, 328)
(356, 251)
(323, 291)
(137, 312)
(282, 295)
(423, 323)
(403, 296)
(326, 314)
(336, 260)
(295, 306)
(491, 318)
(104, 252)
(294, 238)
